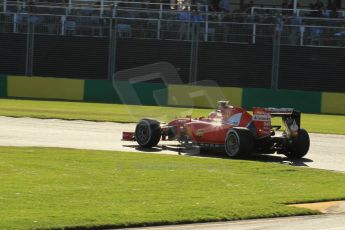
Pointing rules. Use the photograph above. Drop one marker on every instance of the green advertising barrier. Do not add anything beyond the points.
(125, 92)
(305, 101)
(3, 86)
(100, 91)
(173, 95)
(152, 93)
(333, 103)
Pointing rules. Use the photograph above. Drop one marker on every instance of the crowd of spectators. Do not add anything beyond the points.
(320, 10)
(218, 12)
(316, 9)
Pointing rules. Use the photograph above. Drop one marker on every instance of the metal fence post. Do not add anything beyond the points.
(4, 6)
(195, 77)
(301, 32)
(276, 54)
(193, 69)
(159, 21)
(112, 48)
(101, 11)
(206, 25)
(15, 23)
(29, 48)
(63, 23)
(252, 11)
(69, 6)
(254, 34)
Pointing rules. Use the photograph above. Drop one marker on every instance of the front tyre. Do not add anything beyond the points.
(300, 145)
(239, 143)
(147, 133)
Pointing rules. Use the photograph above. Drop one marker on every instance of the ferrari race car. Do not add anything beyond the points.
(235, 130)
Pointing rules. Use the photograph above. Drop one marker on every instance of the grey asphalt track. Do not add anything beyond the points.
(326, 151)
(321, 222)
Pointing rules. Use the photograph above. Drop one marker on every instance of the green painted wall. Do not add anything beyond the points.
(151, 93)
(3, 86)
(100, 91)
(305, 101)
(124, 92)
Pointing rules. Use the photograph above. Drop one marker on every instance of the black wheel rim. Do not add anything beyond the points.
(232, 144)
(143, 134)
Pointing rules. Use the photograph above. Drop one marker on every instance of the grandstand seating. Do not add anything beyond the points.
(163, 21)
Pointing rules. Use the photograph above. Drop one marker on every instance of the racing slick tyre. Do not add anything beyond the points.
(300, 145)
(147, 133)
(239, 143)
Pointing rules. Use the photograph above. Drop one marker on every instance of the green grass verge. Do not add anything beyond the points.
(56, 188)
(132, 113)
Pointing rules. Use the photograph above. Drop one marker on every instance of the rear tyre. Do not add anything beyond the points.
(239, 143)
(147, 133)
(300, 145)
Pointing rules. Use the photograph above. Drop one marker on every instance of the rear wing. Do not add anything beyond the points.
(262, 119)
(286, 113)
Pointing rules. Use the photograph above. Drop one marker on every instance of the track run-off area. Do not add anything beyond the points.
(326, 150)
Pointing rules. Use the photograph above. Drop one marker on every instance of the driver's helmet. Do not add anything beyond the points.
(225, 109)
(212, 115)
(222, 105)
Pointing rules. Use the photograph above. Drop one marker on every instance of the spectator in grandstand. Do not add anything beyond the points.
(315, 35)
(312, 10)
(339, 38)
(30, 6)
(291, 4)
(21, 17)
(319, 5)
(200, 4)
(113, 10)
(332, 9)
(34, 19)
(287, 7)
(185, 18)
(224, 6)
(294, 35)
(184, 15)
(247, 7)
(317, 8)
(213, 5)
(285, 4)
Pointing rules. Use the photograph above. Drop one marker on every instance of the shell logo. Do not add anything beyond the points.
(200, 132)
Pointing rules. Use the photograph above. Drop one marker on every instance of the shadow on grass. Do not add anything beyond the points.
(282, 160)
(219, 153)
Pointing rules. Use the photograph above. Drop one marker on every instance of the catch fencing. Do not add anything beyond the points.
(238, 50)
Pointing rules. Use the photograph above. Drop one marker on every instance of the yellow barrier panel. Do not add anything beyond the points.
(202, 96)
(46, 88)
(333, 103)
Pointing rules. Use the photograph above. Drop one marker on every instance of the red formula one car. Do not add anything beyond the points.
(233, 128)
